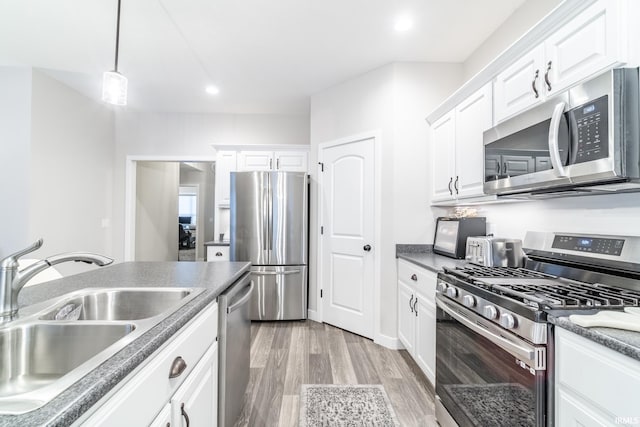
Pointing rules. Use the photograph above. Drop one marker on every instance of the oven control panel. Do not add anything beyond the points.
(595, 245)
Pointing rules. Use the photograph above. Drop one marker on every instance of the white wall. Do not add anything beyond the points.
(71, 171)
(189, 137)
(157, 211)
(520, 21)
(15, 143)
(393, 100)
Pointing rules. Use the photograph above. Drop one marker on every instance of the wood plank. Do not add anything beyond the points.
(382, 358)
(317, 337)
(266, 409)
(297, 364)
(289, 411)
(261, 345)
(320, 369)
(361, 361)
(341, 367)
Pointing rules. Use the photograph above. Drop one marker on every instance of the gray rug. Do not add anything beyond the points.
(499, 405)
(345, 406)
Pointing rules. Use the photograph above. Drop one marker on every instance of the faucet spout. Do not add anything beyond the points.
(13, 280)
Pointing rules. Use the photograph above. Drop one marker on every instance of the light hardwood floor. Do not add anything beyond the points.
(285, 355)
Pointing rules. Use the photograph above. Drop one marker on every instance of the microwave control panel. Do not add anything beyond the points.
(590, 130)
(595, 245)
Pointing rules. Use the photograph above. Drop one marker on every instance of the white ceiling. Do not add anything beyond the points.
(266, 56)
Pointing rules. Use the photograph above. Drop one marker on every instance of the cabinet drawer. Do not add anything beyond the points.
(217, 253)
(424, 281)
(606, 378)
(149, 388)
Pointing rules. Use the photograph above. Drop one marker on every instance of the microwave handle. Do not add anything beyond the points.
(554, 149)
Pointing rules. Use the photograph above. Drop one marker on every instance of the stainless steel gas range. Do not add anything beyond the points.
(494, 346)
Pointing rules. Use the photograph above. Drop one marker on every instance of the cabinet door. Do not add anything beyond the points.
(425, 344)
(164, 417)
(406, 316)
(195, 402)
(520, 86)
(291, 161)
(473, 117)
(587, 44)
(225, 164)
(443, 148)
(571, 411)
(255, 161)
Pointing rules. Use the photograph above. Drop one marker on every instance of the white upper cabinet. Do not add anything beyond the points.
(473, 117)
(592, 42)
(443, 155)
(255, 160)
(520, 86)
(289, 161)
(458, 148)
(225, 164)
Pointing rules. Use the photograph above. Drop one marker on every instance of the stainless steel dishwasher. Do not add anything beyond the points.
(235, 349)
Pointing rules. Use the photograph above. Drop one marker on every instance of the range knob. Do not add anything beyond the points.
(507, 321)
(469, 301)
(490, 312)
(441, 287)
(452, 292)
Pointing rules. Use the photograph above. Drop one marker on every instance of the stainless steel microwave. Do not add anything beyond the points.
(586, 139)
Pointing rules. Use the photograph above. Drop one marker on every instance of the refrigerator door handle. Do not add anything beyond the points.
(265, 218)
(270, 214)
(275, 273)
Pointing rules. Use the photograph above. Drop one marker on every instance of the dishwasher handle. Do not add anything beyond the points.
(275, 273)
(242, 301)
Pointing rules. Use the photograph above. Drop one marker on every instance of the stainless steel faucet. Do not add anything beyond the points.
(12, 280)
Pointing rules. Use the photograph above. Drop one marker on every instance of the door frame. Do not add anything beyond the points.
(131, 164)
(376, 137)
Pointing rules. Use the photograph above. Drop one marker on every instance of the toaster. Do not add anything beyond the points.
(494, 252)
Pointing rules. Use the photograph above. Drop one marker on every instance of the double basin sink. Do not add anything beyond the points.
(64, 339)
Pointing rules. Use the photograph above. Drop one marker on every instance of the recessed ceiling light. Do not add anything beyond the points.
(403, 23)
(212, 90)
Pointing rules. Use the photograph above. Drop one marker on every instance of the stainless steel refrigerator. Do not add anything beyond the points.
(269, 228)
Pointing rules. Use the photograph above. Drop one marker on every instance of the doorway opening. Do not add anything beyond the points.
(166, 193)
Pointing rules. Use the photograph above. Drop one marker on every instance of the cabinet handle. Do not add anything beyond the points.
(168, 424)
(218, 253)
(498, 168)
(177, 367)
(533, 83)
(270, 163)
(184, 414)
(455, 184)
(450, 181)
(546, 76)
(278, 163)
(411, 303)
(414, 277)
(415, 309)
(505, 169)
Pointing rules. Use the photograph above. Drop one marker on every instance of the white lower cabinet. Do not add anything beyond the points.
(164, 417)
(149, 396)
(594, 385)
(217, 253)
(417, 315)
(195, 402)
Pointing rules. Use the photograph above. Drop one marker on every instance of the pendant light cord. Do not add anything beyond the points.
(117, 37)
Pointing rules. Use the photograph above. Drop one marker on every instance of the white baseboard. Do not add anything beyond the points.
(313, 315)
(389, 342)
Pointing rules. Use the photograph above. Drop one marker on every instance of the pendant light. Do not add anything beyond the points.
(114, 84)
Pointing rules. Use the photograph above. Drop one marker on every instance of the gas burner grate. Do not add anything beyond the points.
(476, 271)
(567, 294)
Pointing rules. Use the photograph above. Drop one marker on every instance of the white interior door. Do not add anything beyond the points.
(347, 254)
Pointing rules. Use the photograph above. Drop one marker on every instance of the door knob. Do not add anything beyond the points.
(367, 248)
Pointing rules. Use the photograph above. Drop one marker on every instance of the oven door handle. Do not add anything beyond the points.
(514, 349)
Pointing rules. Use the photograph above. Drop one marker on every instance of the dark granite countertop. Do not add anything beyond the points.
(423, 256)
(625, 342)
(217, 243)
(213, 277)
